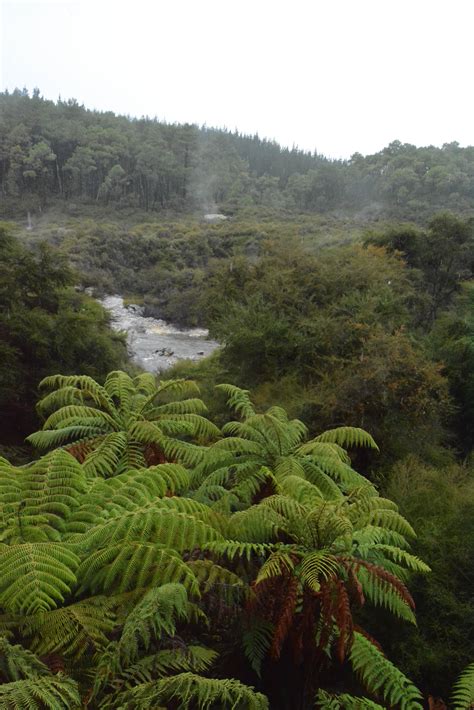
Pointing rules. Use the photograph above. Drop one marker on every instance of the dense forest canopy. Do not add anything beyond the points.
(62, 150)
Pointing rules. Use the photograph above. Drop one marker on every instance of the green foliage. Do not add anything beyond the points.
(190, 690)
(326, 701)
(463, 695)
(382, 677)
(61, 150)
(45, 326)
(125, 424)
(53, 693)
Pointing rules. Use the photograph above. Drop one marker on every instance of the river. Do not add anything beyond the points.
(155, 344)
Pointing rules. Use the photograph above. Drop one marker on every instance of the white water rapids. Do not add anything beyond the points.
(155, 344)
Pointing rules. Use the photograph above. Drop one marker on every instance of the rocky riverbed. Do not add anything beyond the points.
(155, 344)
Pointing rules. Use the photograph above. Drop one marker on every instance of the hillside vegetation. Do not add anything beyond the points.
(299, 537)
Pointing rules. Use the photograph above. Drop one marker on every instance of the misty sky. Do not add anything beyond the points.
(338, 76)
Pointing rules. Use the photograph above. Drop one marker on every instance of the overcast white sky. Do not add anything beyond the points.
(338, 76)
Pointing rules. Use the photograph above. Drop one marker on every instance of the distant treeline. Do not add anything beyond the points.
(62, 150)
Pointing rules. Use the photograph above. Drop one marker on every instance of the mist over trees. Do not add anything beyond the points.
(63, 151)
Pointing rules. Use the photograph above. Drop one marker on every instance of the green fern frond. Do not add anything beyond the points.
(238, 399)
(389, 519)
(211, 576)
(52, 438)
(348, 436)
(133, 565)
(72, 631)
(315, 566)
(301, 490)
(156, 523)
(86, 386)
(189, 690)
(34, 577)
(402, 557)
(182, 451)
(381, 677)
(37, 500)
(256, 524)
(184, 406)
(279, 563)
(463, 692)
(370, 535)
(17, 662)
(315, 475)
(327, 701)
(256, 640)
(105, 459)
(48, 692)
(386, 592)
(155, 615)
(235, 548)
(190, 658)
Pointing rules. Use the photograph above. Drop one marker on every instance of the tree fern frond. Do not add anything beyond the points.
(77, 412)
(182, 451)
(85, 385)
(183, 406)
(155, 615)
(327, 701)
(17, 662)
(301, 490)
(256, 640)
(389, 519)
(402, 557)
(72, 631)
(348, 436)
(381, 677)
(256, 524)
(34, 577)
(463, 691)
(156, 523)
(104, 460)
(133, 565)
(37, 500)
(278, 564)
(317, 565)
(198, 426)
(315, 475)
(190, 658)
(238, 399)
(235, 548)
(211, 575)
(383, 589)
(48, 692)
(191, 690)
(52, 438)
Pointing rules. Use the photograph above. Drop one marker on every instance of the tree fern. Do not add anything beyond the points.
(381, 677)
(119, 420)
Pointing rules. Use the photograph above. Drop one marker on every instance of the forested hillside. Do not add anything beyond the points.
(286, 524)
(60, 150)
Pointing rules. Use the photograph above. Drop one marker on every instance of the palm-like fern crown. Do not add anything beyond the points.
(126, 423)
(108, 567)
